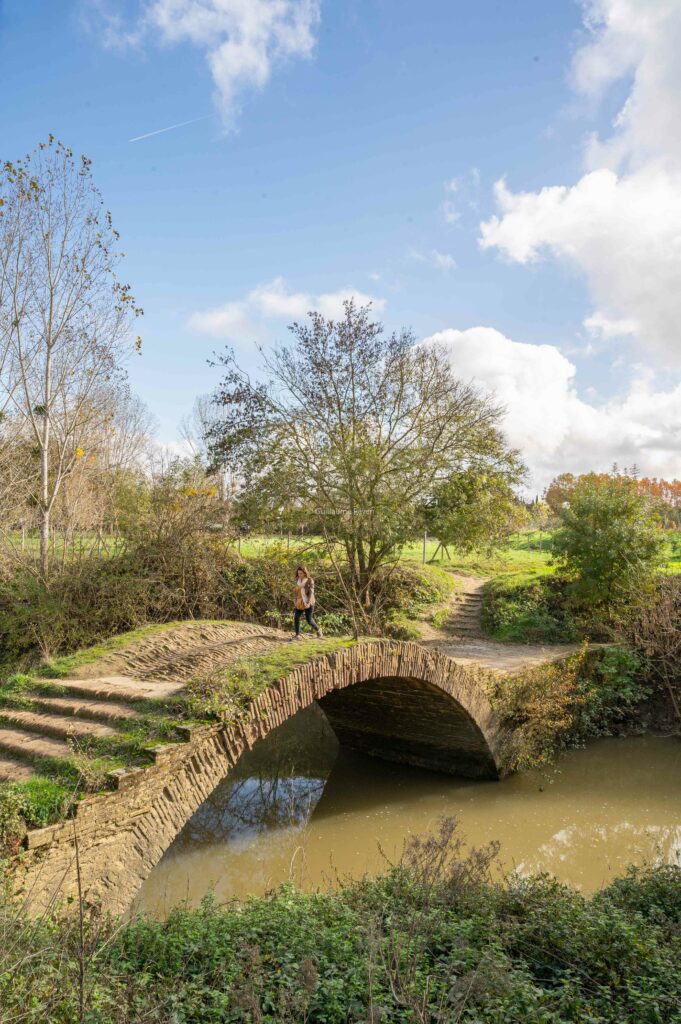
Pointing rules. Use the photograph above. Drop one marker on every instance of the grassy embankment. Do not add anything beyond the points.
(526, 600)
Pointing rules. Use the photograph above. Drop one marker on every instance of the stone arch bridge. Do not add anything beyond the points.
(395, 700)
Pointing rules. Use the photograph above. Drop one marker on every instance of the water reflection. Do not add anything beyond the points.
(299, 808)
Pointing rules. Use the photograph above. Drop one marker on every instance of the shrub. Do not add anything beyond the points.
(610, 542)
(653, 628)
(529, 610)
(92, 600)
(561, 704)
(613, 686)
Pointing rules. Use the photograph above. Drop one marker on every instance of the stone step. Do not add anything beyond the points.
(80, 706)
(56, 725)
(117, 688)
(27, 744)
(14, 771)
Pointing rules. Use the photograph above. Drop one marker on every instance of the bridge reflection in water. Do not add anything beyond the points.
(299, 807)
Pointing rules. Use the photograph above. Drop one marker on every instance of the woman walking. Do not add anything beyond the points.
(305, 601)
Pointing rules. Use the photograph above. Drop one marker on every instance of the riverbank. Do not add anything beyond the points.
(432, 939)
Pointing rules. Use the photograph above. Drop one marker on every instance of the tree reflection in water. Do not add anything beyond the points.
(277, 784)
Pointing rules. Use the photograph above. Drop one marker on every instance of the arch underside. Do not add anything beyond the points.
(410, 721)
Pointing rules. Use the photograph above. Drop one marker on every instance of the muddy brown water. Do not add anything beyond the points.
(300, 808)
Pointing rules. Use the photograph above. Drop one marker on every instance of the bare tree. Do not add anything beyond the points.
(194, 429)
(115, 459)
(66, 318)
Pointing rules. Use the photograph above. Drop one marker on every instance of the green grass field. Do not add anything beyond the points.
(528, 552)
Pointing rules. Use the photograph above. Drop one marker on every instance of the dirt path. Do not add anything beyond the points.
(462, 638)
(464, 610)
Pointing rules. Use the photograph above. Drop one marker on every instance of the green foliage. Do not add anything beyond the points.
(522, 609)
(475, 508)
(613, 687)
(654, 895)
(31, 804)
(558, 705)
(433, 939)
(610, 542)
(409, 590)
(377, 420)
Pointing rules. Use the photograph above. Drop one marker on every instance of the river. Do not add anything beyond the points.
(301, 808)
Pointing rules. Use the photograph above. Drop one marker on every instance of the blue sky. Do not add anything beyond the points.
(365, 157)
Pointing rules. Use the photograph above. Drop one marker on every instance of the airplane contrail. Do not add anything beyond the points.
(180, 124)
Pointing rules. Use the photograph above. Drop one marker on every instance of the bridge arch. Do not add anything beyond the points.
(395, 700)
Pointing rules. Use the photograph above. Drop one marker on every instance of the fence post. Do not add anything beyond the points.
(425, 543)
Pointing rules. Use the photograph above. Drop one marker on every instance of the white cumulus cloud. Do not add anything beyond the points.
(620, 224)
(554, 427)
(641, 39)
(245, 320)
(241, 40)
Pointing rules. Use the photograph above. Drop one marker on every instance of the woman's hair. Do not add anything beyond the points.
(301, 568)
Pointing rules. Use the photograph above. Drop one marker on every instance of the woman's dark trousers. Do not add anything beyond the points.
(309, 616)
